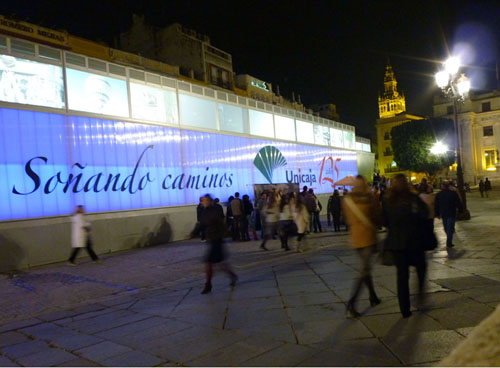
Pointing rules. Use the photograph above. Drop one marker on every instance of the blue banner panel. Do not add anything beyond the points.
(49, 163)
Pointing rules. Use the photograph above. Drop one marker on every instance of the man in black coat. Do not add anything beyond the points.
(446, 205)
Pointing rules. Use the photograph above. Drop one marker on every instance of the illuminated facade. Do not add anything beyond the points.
(138, 148)
(392, 107)
(479, 122)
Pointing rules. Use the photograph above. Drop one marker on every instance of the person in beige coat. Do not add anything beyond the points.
(361, 213)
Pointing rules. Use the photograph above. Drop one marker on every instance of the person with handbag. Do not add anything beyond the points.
(403, 214)
(361, 211)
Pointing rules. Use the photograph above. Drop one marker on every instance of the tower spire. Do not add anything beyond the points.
(391, 102)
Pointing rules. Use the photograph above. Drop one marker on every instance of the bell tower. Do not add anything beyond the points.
(391, 102)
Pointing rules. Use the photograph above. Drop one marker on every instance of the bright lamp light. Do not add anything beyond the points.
(452, 65)
(439, 148)
(442, 78)
(463, 85)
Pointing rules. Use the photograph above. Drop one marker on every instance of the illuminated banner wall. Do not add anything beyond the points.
(50, 162)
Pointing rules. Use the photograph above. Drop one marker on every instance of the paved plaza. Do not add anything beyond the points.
(144, 308)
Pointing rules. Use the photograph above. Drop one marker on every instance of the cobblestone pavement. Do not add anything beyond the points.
(144, 308)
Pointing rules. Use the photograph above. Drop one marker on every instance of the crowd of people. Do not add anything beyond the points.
(407, 212)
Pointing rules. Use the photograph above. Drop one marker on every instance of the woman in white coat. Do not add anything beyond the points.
(80, 235)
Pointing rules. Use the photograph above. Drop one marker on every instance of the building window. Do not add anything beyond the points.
(486, 106)
(488, 131)
(387, 136)
(449, 110)
(490, 159)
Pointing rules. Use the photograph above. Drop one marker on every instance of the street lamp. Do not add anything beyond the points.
(439, 148)
(456, 87)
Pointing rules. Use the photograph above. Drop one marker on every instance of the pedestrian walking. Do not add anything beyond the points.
(229, 216)
(80, 235)
(259, 215)
(336, 210)
(301, 218)
(402, 215)
(286, 223)
(199, 210)
(446, 205)
(316, 214)
(249, 219)
(271, 218)
(237, 211)
(362, 213)
(311, 206)
(487, 187)
(427, 196)
(481, 187)
(212, 220)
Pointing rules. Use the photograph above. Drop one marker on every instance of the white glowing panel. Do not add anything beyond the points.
(285, 128)
(51, 162)
(261, 123)
(336, 138)
(96, 93)
(366, 147)
(155, 104)
(349, 140)
(321, 135)
(28, 82)
(359, 146)
(305, 131)
(197, 112)
(233, 118)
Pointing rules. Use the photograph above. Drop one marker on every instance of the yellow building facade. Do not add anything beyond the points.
(392, 107)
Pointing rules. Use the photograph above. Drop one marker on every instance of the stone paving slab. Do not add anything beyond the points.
(25, 348)
(6, 362)
(132, 359)
(49, 357)
(394, 324)
(285, 355)
(101, 351)
(12, 338)
(423, 347)
(356, 353)
(237, 353)
(467, 315)
(330, 332)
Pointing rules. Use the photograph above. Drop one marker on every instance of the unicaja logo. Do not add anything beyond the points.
(268, 159)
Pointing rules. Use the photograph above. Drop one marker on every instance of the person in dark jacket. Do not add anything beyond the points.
(402, 211)
(335, 210)
(212, 221)
(199, 210)
(446, 205)
(487, 186)
(481, 187)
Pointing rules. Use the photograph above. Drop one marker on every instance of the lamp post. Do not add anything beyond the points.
(456, 87)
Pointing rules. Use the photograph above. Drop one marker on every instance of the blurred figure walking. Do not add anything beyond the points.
(212, 221)
(271, 212)
(362, 213)
(286, 224)
(301, 218)
(403, 212)
(80, 235)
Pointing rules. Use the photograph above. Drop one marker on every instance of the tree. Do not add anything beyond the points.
(412, 142)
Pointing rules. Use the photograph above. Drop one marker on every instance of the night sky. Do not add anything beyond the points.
(326, 51)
